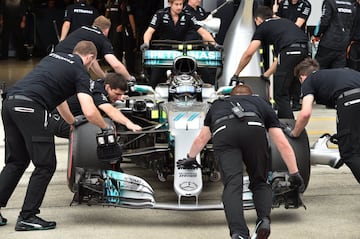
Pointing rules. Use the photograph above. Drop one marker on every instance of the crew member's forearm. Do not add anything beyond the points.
(64, 30)
(97, 70)
(301, 122)
(196, 148)
(90, 111)
(65, 112)
(120, 69)
(290, 160)
(245, 59)
(200, 141)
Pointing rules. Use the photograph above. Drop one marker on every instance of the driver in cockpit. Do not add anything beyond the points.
(172, 23)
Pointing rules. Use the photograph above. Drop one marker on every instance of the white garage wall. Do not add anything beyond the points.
(315, 12)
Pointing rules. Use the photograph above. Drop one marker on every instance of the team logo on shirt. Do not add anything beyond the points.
(93, 29)
(195, 21)
(92, 85)
(103, 97)
(154, 20)
(166, 18)
(182, 20)
(83, 11)
(54, 55)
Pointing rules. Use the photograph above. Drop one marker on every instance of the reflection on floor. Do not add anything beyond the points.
(12, 70)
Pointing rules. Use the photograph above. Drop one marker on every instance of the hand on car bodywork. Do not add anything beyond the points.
(188, 163)
(133, 127)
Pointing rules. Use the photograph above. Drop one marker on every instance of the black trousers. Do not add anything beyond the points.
(330, 58)
(157, 75)
(237, 143)
(284, 77)
(353, 60)
(117, 43)
(12, 30)
(26, 140)
(348, 132)
(129, 44)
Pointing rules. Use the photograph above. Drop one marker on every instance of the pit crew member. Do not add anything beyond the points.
(97, 33)
(25, 113)
(104, 93)
(337, 88)
(239, 139)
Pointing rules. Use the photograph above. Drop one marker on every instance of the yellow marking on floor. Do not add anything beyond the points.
(318, 132)
(323, 119)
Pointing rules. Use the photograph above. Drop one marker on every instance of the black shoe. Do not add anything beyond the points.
(33, 223)
(3, 220)
(262, 229)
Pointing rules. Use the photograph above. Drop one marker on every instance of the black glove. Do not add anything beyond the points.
(132, 81)
(235, 80)
(296, 181)
(218, 47)
(188, 163)
(79, 120)
(144, 46)
(108, 128)
(287, 129)
(334, 139)
(264, 78)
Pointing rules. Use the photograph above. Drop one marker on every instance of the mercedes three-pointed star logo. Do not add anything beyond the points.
(188, 186)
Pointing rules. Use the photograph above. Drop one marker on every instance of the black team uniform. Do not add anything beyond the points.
(238, 142)
(291, 47)
(86, 33)
(80, 14)
(165, 29)
(340, 89)
(25, 114)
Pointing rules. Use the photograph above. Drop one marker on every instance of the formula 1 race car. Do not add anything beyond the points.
(171, 115)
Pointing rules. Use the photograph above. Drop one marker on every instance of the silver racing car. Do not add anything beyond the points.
(171, 116)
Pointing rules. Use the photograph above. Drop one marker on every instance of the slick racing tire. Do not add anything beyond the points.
(302, 152)
(83, 154)
(258, 85)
